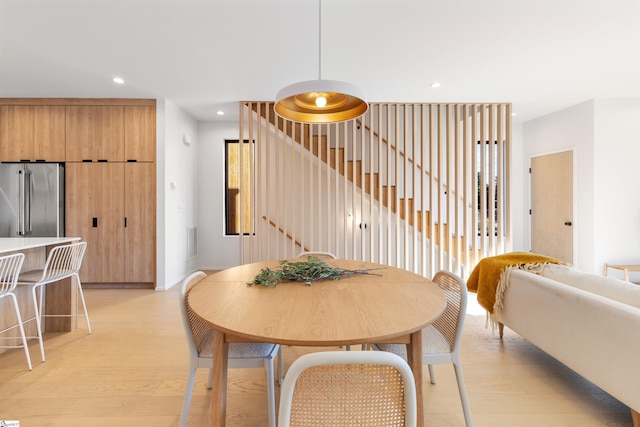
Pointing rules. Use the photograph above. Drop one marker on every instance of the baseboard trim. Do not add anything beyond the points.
(118, 286)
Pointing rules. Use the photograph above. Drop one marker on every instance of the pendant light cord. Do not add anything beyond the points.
(319, 39)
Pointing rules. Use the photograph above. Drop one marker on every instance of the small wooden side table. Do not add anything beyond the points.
(625, 268)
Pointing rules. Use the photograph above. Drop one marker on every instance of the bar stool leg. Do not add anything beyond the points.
(19, 319)
(84, 305)
(38, 321)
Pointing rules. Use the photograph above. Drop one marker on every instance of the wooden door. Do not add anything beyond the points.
(95, 132)
(111, 227)
(79, 129)
(140, 133)
(95, 212)
(108, 137)
(16, 133)
(49, 133)
(552, 205)
(140, 222)
(82, 206)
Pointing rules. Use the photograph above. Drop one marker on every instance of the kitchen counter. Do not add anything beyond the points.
(17, 244)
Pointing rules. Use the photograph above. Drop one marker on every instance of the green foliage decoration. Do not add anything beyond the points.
(309, 271)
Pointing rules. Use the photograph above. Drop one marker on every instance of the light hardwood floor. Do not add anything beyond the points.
(132, 372)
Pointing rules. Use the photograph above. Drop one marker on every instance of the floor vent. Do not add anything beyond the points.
(192, 241)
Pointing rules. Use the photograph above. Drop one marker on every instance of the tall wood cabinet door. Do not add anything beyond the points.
(49, 133)
(94, 212)
(16, 133)
(140, 133)
(111, 228)
(79, 129)
(82, 214)
(108, 137)
(141, 220)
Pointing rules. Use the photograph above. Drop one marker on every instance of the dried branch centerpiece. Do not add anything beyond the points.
(309, 271)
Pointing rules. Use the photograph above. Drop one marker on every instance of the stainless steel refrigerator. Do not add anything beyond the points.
(31, 199)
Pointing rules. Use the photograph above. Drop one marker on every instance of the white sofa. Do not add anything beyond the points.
(589, 323)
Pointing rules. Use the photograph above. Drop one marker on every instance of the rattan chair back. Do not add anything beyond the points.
(451, 322)
(355, 388)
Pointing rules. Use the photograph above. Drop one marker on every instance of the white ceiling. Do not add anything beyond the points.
(205, 55)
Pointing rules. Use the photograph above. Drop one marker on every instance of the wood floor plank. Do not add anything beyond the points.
(132, 371)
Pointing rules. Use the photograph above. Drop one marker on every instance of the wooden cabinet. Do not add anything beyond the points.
(32, 133)
(111, 132)
(140, 220)
(95, 132)
(109, 150)
(140, 133)
(112, 206)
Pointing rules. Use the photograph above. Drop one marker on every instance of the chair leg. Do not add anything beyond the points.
(84, 305)
(186, 403)
(271, 398)
(463, 395)
(432, 374)
(280, 366)
(38, 313)
(24, 339)
(210, 379)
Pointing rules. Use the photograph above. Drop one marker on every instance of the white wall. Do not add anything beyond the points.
(606, 137)
(217, 251)
(177, 207)
(569, 129)
(616, 194)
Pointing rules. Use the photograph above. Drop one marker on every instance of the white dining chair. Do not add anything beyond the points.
(63, 262)
(318, 254)
(10, 266)
(442, 339)
(356, 388)
(241, 355)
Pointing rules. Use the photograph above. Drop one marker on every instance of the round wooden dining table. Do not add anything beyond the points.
(387, 304)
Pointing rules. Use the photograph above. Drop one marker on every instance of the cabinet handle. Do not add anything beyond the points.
(95, 222)
(24, 160)
(125, 221)
(86, 160)
(102, 160)
(40, 160)
(132, 160)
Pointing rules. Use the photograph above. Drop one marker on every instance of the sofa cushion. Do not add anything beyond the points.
(608, 287)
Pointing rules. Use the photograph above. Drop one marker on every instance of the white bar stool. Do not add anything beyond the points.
(64, 261)
(10, 266)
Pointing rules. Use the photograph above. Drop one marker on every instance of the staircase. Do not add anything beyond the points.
(386, 194)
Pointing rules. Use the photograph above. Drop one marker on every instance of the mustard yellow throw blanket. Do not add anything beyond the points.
(490, 278)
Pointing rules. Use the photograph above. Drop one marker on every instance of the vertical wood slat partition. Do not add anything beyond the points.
(420, 186)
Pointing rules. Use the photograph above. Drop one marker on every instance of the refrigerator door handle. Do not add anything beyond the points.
(24, 202)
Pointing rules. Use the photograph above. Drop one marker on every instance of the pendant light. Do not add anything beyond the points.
(320, 101)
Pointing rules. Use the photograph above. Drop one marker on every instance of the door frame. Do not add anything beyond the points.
(575, 219)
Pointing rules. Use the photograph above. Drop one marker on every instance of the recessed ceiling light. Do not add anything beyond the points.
(435, 85)
(118, 80)
(220, 113)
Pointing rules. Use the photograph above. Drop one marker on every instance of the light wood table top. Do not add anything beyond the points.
(392, 306)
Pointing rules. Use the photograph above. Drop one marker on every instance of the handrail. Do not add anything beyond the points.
(289, 236)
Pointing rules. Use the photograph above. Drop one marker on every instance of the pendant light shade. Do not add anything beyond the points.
(321, 101)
